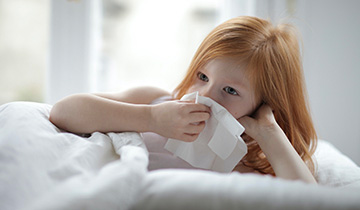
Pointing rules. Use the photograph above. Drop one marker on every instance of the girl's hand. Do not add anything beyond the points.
(179, 119)
(274, 143)
(263, 126)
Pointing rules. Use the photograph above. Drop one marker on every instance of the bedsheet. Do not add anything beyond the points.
(43, 167)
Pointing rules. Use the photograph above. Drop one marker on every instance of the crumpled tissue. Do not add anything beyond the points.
(219, 147)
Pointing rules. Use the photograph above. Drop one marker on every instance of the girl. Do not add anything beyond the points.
(248, 66)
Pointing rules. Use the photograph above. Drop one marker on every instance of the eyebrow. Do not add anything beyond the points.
(236, 83)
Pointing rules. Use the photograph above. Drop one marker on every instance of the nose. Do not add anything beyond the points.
(207, 92)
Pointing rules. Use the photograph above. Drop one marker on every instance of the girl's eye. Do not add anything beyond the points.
(230, 90)
(202, 77)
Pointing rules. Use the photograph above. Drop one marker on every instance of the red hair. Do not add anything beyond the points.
(272, 57)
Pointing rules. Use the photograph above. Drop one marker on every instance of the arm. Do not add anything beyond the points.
(129, 111)
(274, 143)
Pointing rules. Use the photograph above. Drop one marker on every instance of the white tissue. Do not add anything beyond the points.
(219, 147)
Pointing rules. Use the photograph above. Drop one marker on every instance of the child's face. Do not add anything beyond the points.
(225, 81)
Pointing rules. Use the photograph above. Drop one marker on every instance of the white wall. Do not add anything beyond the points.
(332, 68)
(331, 38)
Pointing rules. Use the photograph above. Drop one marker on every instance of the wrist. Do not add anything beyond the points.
(270, 135)
(138, 118)
(150, 118)
(275, 144)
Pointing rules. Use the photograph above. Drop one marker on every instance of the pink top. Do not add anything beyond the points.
(159, 157)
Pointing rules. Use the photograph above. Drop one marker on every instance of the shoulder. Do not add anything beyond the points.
(138, 95)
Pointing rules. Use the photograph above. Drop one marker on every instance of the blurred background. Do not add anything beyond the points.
(53, 48)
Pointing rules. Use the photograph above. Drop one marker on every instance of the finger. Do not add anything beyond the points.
(249, 125)
(188, 101)
(189, 137)
(198, 117)
(195, 128)
(197, 108)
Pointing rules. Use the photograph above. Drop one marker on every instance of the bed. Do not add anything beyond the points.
(43, 167)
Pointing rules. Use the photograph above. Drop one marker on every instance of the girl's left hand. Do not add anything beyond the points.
(262, 126)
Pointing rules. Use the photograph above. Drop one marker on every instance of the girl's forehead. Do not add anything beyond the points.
(226, 63)
(227, 68)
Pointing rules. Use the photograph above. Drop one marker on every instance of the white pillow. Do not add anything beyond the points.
(334, 168)
(197, 189)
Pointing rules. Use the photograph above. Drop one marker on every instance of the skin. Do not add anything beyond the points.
(223, 80)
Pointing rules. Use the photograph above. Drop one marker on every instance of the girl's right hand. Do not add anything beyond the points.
(182, 120)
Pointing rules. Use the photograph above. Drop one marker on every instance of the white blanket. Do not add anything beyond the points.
(42, 167)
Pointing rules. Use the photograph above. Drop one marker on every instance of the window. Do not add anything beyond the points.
(151, 42)
(23, 49)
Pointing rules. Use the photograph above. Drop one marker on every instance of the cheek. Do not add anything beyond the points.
(193, 88)
(238, 113)
(236, 110)
(239, 110)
